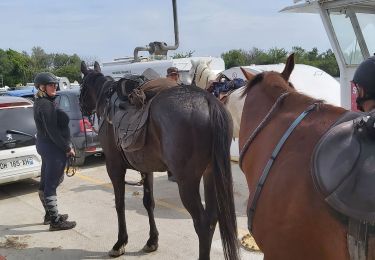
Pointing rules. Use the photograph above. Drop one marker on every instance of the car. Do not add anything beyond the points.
(19, 158)
(26, 92)
(84, 144)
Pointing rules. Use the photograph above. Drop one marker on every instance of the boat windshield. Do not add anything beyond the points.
(350, 27)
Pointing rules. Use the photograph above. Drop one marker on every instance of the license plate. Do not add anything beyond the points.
(21, 162)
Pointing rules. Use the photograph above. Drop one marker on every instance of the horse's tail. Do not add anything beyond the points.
(221, 129)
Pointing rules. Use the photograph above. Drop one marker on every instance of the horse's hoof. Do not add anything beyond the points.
(149, 249)
(116, 253)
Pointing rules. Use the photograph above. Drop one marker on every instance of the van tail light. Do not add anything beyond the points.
(84, 123)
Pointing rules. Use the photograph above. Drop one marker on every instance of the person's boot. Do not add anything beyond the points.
(47, 218)
(61, 224)
(57, 222)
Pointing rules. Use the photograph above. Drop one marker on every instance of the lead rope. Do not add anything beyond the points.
(71, 165)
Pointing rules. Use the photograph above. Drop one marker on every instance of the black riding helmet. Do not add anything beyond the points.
(44, 78)
(364, 76)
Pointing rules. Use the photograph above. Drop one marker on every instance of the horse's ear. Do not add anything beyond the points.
(193, 63)
(248, 75)
(289, 66)
(97, 67)
(84, 68)
(208, 63)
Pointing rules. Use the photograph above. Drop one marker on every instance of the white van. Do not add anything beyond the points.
(18, 156)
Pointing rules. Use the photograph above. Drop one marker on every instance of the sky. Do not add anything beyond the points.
(107, 29)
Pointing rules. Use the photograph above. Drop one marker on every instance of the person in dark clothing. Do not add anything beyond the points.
(173, 74)
(364, 82)
(53, 145)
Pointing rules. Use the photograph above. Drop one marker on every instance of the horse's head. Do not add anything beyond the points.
(201, 73)
(87, 97)
(192, 71)
(270, 81)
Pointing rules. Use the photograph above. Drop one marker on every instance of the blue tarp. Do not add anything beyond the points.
(25, 92)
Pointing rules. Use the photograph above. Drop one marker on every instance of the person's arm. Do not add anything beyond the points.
(49, 119)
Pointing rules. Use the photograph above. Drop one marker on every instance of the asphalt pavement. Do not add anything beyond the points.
(88, 199)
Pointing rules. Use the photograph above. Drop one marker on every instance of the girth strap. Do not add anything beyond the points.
(270, 162)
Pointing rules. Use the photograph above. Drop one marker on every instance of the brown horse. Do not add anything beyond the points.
(291, 219)
(188, 133)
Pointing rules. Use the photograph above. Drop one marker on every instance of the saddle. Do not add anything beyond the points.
(222, 89)
(131, 116)
(344, 167)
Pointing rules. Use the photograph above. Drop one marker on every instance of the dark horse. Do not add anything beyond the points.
(188, 133)
(291, 219)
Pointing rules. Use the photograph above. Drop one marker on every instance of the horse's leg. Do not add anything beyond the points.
(190, 197)
(149, 203)
(118, 182)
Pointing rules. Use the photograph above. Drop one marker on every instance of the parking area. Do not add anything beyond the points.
(88, 199)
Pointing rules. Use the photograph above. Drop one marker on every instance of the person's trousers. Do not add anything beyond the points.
(52, 173)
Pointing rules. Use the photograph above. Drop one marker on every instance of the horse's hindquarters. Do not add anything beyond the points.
(178, 131)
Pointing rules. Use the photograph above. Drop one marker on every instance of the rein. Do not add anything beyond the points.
(275, 153)
(261, 126)
(71, 164)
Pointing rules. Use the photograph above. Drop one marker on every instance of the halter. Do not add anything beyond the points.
(82, 97)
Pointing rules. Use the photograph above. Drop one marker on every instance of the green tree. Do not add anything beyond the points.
(325, 61)
(182, 55)
(40, 59)
(276, 55)
(234, 58)
(67, 66)
(329, 64)
(72, 72)
(14, 67)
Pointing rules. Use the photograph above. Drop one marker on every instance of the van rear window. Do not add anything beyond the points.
(18, 119)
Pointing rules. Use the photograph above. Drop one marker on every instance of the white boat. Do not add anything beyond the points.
(350, 26)
(307, 79)
(120, 67)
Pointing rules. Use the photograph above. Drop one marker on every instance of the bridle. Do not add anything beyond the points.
(107, 90)
(83, 96)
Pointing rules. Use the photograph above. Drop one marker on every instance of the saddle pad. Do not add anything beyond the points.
(344, 170)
